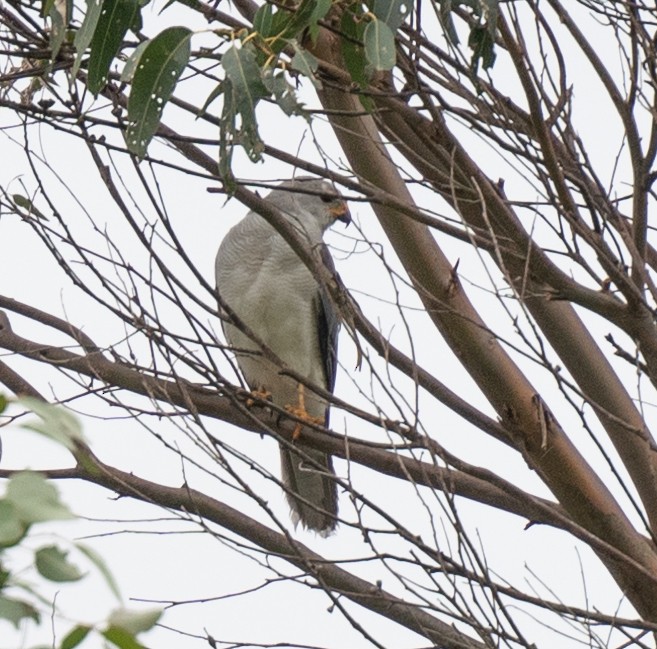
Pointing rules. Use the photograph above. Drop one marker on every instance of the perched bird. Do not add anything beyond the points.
(268, 287)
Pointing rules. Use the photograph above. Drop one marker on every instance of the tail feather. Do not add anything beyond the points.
(313, 496)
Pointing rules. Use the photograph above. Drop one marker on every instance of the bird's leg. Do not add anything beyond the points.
(299, 410)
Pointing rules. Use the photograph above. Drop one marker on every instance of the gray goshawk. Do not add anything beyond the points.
(267, 286)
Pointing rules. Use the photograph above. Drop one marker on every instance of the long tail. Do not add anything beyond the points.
(313, 497)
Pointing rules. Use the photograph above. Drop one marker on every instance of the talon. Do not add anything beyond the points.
(257, 395)
(299, 410)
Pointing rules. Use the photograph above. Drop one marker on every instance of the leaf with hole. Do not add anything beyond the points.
(130, 66)
(153, 83)
(247, 89)
(392, 12)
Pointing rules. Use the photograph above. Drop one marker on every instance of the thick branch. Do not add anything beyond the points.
(545, 445)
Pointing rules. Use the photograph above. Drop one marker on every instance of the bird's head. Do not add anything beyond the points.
(312, 203)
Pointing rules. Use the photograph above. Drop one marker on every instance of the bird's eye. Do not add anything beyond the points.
(327, 198)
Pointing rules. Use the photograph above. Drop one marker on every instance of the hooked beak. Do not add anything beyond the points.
(341, 213)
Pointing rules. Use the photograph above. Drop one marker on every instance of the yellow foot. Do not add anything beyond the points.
(256, 396)
(299, 410)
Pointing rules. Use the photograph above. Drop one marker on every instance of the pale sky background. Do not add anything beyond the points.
(152, 565)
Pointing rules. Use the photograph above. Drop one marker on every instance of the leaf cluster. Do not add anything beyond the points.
(258, 63)
(30, 498)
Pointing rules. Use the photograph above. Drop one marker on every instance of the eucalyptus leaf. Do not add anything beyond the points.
(57, 30)
(160, 66)
(121, 638)
(447, 22)
(322, 7)
(134, 621)
(12, 528)
(84, 35)
(379, 42)
(53, 564)
(74, 637)
(16, 610)
(284, 94)
(116, 17)
(56, 422)
(26, 204)
(263, 20)
(483, 48)
(130, 66)
(303, 61)
(35, 499)
(299, 19)
(101, 566)
(392, 12)
(247, 88)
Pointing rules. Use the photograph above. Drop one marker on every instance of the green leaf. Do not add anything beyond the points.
(392, 12)
(57, 422)
(322, 7)
(263, 21)
(100, 564)
(84, 35)
(379, 42)
(483, 48)
(492, 9)
(74, 637)
(353, 52)
(244, 73)
(35, 499)
(159, 69)
(303, 61)
(227, 132)
(12, 528)
(247, 88)
(3, 403)
(16, 610)
(298, 19)
(134, 621)
(26, 204)
(284, 94)
(122, 638)
(130, 66)
(115, 19)
(52, 563)
(217, 91)
(445, 16)
(4, 577)
(57, 29)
